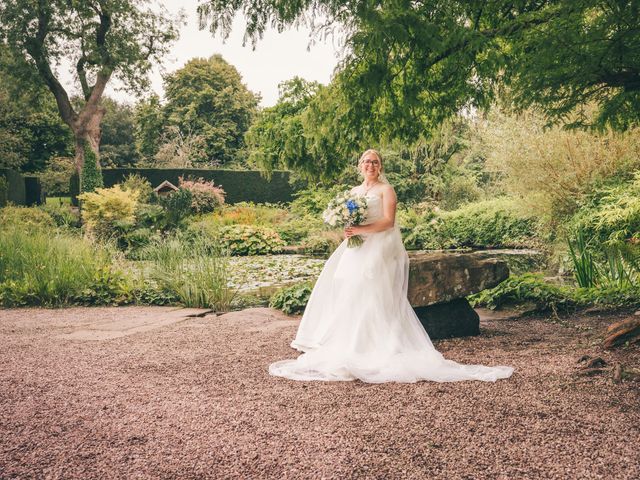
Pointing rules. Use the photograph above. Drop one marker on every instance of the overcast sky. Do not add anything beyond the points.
(276, 58)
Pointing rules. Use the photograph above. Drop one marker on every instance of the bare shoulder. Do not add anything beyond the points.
(388, 191)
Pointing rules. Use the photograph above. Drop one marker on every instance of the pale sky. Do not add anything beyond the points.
(277, 57)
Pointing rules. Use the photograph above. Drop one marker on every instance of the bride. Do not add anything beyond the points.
(358, 323)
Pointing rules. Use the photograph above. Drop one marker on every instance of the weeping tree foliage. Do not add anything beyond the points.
(276, 139)
(410, 64)
(101, 39)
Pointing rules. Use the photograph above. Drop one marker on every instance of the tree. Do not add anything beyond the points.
(148, 126)
(118, 145)
(102, 39)
(207, 98)
(276, 139)
(415, 63)
(31, 131)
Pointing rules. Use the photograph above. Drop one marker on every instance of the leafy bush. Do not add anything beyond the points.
(137, 183)
(292, 299)
(295, 230)
(91, 177)
(108, 210)
(533, 290)
(611, 213)
(314, 200)
(322, 243)
(205, 196)
(43, 268)
(250, 240)
(55, 179)
(25, 217)
(494, 223)
(554, 169)
(527, 288)
(177, 206)
(196, 273)
(248, 213)
(62, 214)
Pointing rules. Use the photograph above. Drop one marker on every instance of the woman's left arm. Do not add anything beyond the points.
(389, 202)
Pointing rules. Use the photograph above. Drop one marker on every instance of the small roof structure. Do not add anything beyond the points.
(165, 188)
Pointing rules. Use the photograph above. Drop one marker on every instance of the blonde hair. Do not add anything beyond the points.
(367, 152)
(381, 176)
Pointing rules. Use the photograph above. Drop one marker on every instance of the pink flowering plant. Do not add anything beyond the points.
(205, 196)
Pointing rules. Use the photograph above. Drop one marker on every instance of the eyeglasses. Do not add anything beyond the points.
(375, 163)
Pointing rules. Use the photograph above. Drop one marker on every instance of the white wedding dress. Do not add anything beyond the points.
(358, 323)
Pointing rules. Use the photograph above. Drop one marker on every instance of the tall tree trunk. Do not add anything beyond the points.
(87, 133)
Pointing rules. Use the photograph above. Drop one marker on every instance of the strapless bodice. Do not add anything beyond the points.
(374, 208)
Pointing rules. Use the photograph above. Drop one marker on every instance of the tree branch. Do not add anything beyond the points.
(36, 49)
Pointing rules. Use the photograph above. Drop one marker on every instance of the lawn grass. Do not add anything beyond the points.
(58, 201)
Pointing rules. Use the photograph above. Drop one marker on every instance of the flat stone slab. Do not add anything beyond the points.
(437, 277)
(101, 329)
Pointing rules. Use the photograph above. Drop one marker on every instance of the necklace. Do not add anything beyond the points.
(366, 190)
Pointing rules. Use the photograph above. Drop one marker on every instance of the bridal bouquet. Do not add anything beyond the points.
(347, 210)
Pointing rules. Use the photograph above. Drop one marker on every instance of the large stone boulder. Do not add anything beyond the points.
(439, 283)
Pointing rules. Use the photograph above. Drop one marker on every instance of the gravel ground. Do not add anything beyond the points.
(194, 400)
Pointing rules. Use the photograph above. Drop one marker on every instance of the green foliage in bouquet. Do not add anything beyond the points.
(292, 299)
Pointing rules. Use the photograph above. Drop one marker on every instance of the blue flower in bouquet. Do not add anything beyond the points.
(347, 209)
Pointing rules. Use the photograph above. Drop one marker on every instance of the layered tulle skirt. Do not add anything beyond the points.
(358, 324)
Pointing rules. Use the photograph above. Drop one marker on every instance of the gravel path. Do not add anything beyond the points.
(194, 400)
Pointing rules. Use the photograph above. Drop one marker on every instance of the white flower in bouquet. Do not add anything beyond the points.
(347, 210)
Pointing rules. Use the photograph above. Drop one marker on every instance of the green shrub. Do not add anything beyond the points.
(62, 214)
(611, 213)
(322, 243)
(43, 268)
(177, 206)
(494, 223)
(314, 200)
(608, 296)
(292, 299)
(137, 183)
(250, 240)
(527, 288)
(107, 211)
(25, 217)
(91, 177)
(540, 295)
(295, 230)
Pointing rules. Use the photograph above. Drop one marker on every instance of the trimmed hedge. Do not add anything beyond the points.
(15, 186)
(239, 185)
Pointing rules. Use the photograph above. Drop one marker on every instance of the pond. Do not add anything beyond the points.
(262, 275)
